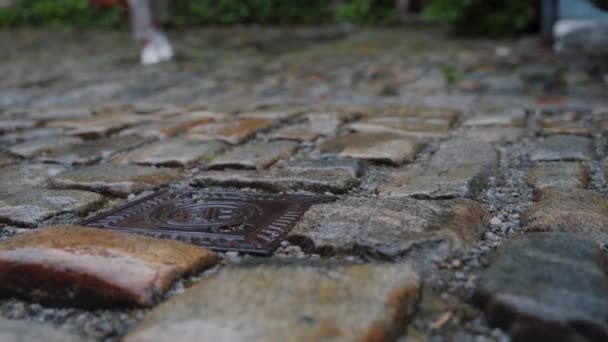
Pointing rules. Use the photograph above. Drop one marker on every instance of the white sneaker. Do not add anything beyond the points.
(163, 47)
(150, 54)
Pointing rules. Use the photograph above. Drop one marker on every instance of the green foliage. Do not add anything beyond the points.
(78, 13)
(367, 12)
(228, 12)
(497, 18)
(451, 74)
(57, 13)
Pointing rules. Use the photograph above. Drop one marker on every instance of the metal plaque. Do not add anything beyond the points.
(219, 220)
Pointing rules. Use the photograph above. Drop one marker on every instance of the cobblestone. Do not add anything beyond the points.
(254, 155)
(569, 210)
(79, 266)
(233, 132)
(391, 228)
(460, 168)
(173, 152)
(289, 300)
(376, 147)
(564, 147)
(114, 180)
(532, 288)
(29, 206)
(558, 174)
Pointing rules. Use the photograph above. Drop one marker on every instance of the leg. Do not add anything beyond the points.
(160, 15)
(141, 19)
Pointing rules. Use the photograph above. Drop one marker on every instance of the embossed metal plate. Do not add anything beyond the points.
(220, 220)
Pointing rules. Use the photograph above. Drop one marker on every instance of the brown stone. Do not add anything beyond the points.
(254, 155)
(460, 168)
(114, 180)
(376, 147)
(88, 267)
(564, 147)
(179, 124)
(391, 227)
(565, 175)
(315, 125)
(407, 126)
(25, 206)
(27, 174)
(233, 131)
(289, 301)
(174, 152)
(22, 331)
(91, 151)
(98, 125)
(37, 147)
(578, 211)
(6, 159)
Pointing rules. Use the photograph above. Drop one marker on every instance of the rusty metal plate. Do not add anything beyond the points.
(220, 220)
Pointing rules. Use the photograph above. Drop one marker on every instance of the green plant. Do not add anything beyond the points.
(367, 12)
(497, 18)
(57, 13)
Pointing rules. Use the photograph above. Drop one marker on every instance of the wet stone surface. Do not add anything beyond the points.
(548, 286)
(289, 300)
(87, 267)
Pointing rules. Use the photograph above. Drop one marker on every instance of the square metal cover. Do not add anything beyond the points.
(220, 220)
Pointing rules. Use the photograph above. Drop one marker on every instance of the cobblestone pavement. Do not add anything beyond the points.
(469, 176)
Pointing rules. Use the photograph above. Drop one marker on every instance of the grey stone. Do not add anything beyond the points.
(173, 152)
(391, 227)
(564, 147)
(460, 168)
(547, 286)
(21, 331)
(254, 155)
(323, 175)
(289, 300)
(27, 174)
(15, 125)
(558, 174)
(114, 180)
(29, 206)
(91, 151)
(37, 147)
